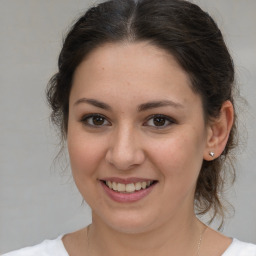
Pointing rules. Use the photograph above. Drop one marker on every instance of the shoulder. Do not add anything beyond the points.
(238, 248)
(46, 248)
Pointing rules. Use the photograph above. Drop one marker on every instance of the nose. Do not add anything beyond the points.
(125, 150)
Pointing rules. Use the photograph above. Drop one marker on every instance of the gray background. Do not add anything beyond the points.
(38, 199)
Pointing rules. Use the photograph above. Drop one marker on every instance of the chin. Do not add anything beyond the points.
(129, 222)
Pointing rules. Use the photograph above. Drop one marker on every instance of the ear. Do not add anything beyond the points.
(218, 131)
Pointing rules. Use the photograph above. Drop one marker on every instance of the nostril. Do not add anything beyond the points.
(125, 159)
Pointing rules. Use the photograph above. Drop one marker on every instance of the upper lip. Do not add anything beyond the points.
(126, 180)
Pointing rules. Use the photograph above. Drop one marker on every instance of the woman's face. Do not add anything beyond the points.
(134, 122)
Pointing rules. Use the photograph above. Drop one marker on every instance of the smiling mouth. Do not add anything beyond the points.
(128, 188)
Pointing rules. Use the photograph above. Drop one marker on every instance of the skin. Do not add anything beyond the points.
(129, 142)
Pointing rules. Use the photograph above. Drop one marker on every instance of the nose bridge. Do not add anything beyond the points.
(125, 150)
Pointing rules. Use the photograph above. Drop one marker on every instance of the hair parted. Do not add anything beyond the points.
(183, 30)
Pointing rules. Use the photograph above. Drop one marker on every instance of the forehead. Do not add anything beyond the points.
(131, 69)
(140, 54)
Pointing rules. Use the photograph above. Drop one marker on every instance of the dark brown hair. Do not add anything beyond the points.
(183, 30)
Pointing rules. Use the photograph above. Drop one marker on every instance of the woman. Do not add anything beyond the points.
(144, 99)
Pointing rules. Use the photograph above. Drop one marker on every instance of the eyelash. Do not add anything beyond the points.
(87, 118)
(164, 117)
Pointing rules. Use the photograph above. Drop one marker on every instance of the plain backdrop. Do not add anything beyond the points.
(38, 198)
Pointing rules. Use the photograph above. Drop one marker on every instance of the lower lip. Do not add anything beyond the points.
(127, 197)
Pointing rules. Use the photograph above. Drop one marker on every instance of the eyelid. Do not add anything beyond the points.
(168, 118)
(84, 119)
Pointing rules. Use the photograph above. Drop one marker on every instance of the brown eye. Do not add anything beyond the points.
(98, 120)
(95, 120)
(159, 121)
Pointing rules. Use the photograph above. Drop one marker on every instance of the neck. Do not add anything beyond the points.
(179, 236)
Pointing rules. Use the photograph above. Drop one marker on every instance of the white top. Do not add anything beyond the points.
(46, 248)
(56, 248)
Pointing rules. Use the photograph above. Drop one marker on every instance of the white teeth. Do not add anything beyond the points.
(109, 184)
(144, 184)
(121, 187)
(114, 186)
(138, 186)
(128, 188)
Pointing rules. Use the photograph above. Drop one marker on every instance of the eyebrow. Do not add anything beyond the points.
(95, 103)
(158, 104)
(142, 107)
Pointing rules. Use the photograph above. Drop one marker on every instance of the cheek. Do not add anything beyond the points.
(85, 153)
(179, 155)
